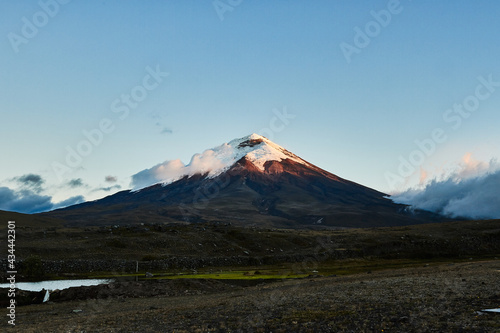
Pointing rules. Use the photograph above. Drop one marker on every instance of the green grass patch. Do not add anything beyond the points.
(276, 272)
(235, 275)
(218, 275)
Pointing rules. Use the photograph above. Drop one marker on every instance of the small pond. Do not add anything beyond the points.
(56, 284)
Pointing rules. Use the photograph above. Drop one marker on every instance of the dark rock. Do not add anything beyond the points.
(22, 297)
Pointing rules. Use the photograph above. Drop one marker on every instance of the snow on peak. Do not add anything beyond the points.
(255, 148)
(258, 150)
(254, 136)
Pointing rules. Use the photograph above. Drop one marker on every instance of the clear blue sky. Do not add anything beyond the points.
(226, 76)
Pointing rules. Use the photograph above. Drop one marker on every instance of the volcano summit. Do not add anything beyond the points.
(249, 181)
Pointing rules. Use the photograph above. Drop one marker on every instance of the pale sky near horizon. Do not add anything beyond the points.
(363, 80)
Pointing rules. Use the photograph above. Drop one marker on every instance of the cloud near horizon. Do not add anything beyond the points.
(29, 202)
(29, 197)
(172, 170)
(471, 191)
(167, 171)
(107, 189)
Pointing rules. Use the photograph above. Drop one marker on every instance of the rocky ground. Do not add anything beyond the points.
(85, 251)
(443, 298)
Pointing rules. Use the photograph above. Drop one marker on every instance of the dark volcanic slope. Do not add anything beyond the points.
(27, 220)
(286, 194)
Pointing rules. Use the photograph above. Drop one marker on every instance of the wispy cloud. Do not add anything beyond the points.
(166, 130)
(31, 181)
(107, 189)
(110, 179)
(75, 183)
(167, 171)
(158, 119)
(172, 170)
(469, 191)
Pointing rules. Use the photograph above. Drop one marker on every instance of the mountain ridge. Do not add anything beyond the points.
(254, 182)
(217, 160)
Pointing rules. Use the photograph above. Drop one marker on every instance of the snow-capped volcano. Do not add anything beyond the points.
(259, 150)
(212, 162)
(247, 181)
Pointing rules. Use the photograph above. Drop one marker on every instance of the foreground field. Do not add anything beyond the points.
(435, 298)
(215, 277)
(54, 251)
